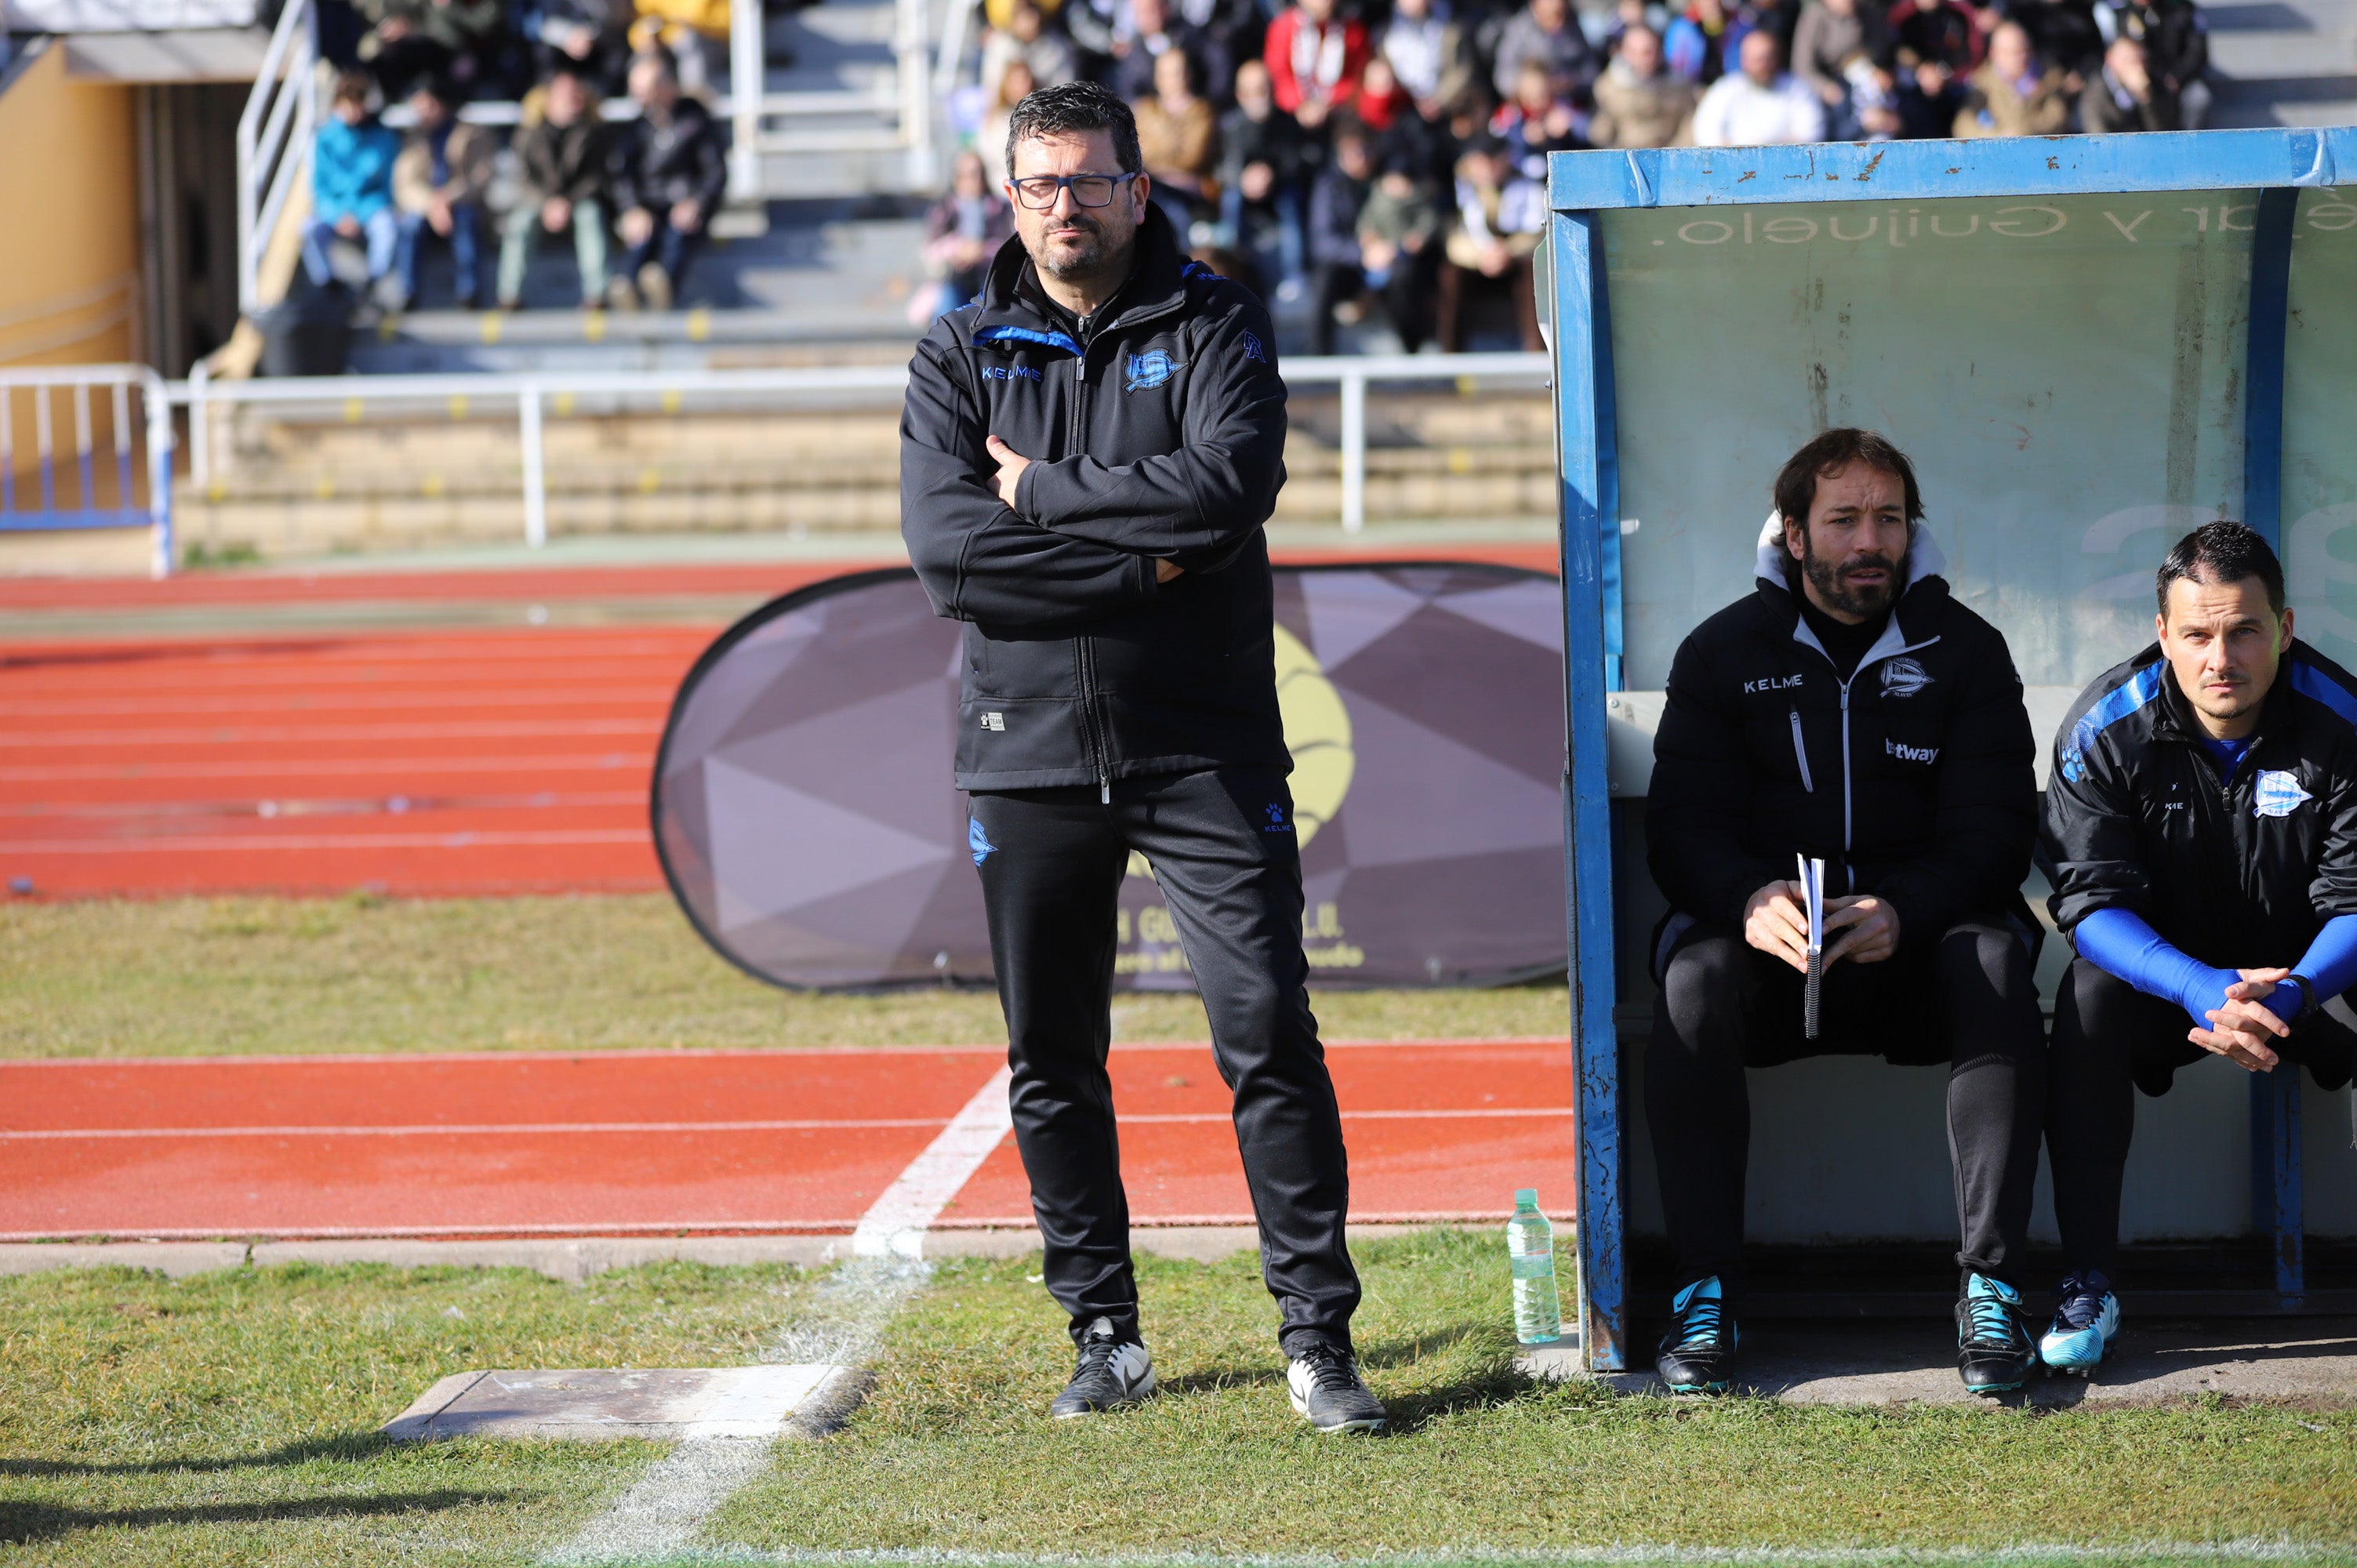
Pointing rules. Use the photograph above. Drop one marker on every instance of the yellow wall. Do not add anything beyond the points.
(69, 243)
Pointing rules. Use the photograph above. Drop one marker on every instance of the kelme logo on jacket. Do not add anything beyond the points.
(1151, 369)
(1904, 677)
(2278, 794)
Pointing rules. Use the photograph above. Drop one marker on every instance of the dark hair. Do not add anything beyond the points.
(1796, 484)
(1075, 108)
(352, 87)
(444, 90)
(2222, 552)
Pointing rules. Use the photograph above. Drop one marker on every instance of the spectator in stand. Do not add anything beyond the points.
(1535, 121)
(1335, 201)
(1047, 56)
(352, 191)
(2064, 33)
(2124, 95)
(1236, 27)
(1694, 43)
(669, 173)
(1501, 215)
(561, 152)
(1092, 25)
(590, 36)
(1429, 56)
(1381, 100)
(1178, 138)
(1267, 165)
(438, 181)
(1547, 33)
(1938, 43)
(693, 34)
(1015, 84)
(1873, 98)
(1152, 30)
(1830, 34)
(1760, 105)
(1315, 60)
(2177, 49)
(1640, 101)
(2011, 94)
(1371, 234)
(962, 232)
(410, 38)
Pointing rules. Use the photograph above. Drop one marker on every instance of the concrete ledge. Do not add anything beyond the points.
(1849, 1364)
(575, 1260)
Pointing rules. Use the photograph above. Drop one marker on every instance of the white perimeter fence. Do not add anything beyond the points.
(31, 496)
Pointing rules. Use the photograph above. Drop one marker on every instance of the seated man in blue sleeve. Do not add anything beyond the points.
(2200, 834)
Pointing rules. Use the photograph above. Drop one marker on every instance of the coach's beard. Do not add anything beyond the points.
(1070, 261)
(1838, 588)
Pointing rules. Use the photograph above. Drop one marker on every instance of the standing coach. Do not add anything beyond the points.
(1087, 455)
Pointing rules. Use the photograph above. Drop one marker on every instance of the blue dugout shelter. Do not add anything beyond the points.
(2088, 345)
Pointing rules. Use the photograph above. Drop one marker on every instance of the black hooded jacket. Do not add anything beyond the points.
(1162, 437)
(1912, 779)
(2239, 871)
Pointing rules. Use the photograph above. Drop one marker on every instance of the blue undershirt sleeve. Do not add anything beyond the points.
(2120, 942)
(2331, 961)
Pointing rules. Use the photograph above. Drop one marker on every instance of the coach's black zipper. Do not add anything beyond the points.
(1094, 725)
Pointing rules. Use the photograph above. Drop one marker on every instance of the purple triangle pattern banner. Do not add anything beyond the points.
(805, 815)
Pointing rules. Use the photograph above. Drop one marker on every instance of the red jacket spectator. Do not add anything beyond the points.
(1315, 59)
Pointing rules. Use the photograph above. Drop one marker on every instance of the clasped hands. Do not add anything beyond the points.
(2241, 1030)
(1776, 921)
(1011, 464)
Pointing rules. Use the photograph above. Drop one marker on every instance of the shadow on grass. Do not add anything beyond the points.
(1492, 1381)
(350, 1446)
(22, 1524)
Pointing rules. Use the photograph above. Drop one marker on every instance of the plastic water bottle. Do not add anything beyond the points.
(1530, 1242)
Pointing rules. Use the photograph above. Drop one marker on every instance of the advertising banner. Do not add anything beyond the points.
(805, 818)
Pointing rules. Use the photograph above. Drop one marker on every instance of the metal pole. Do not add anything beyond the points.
(747, 82)
(160, 475)
(201, 457)
(536, 468)
(1354, 453)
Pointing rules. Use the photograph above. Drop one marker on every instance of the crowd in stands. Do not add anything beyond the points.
(1361, 157)
(1389, 156)
(636, 194)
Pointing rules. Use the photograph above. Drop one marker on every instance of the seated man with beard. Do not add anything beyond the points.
(1849, 711)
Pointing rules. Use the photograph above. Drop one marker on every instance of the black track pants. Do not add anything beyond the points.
(1965, 996)
(2111, 1039)
(1223, 852)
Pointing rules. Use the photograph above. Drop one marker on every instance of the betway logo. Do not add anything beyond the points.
(1911, 753)
(1771, 684)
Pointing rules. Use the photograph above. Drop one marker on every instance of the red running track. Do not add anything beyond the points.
(419, 762)
(628, 1143)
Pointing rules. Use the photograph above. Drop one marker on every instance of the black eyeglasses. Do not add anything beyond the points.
(1039, 192)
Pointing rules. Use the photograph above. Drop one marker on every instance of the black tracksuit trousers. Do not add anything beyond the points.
(1223, 852)
(2111, 1039)
(1966, 995)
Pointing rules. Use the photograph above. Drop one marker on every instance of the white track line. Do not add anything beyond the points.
(895, 1225)
(656, 1519)
(2248, 1550)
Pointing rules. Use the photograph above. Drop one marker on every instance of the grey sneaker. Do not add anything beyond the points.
(1113, 1372)
(1329, 1392)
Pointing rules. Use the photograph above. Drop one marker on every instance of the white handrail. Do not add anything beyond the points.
(274, 143)
(533, 394)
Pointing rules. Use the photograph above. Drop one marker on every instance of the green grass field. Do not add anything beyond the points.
(229, 1419)
(219, 976)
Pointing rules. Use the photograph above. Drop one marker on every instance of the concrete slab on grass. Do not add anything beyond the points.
(670, 1402)
(1831, 1363)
